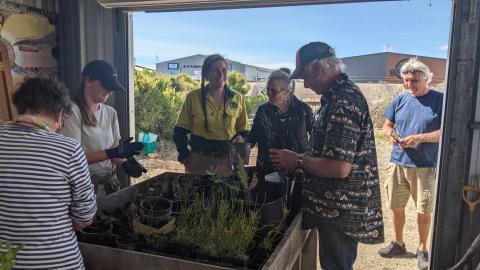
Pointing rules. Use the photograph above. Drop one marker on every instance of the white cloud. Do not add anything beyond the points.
(444, 47)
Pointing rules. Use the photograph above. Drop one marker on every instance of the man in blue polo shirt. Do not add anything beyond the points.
(412, 123)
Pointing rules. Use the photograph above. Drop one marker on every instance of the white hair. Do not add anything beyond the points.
(281, 75)
(413, 65)
(331, 65)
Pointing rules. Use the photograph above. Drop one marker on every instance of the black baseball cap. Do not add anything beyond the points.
(104, 72)
(309, 53)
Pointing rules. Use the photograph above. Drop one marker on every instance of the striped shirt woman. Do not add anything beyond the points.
(44, 184)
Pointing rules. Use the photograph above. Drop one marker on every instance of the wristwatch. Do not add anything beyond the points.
(299, 162)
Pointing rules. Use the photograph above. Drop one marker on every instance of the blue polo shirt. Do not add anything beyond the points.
(415, 115)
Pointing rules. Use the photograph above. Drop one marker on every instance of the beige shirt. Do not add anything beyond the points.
(97, 138)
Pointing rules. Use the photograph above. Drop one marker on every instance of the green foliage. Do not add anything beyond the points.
(223, 227)
(158, 100)
(7, 257)
(252, 103)
(184, 83)
(236, 81)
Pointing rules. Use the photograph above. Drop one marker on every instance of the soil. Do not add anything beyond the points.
(165, 160)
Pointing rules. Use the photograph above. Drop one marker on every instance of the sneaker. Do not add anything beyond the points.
(422, 260)
(393, 249)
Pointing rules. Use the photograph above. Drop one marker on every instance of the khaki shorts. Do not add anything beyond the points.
(417, 182)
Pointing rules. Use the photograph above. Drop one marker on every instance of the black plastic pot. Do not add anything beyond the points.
(127, 241)
(98, 234)
(270, 199)
(154, 211)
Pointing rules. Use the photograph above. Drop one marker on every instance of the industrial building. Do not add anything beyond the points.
(192, 65)
(385, 67)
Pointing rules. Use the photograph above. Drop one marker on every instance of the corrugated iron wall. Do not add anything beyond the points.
(366, 68)
(50, 5)
(87, 31)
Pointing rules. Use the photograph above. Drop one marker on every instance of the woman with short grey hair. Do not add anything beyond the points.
(282, 122)
(45, 186)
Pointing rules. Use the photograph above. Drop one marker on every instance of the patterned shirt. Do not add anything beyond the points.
(343, 130)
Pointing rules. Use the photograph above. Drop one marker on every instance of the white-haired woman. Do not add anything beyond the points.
(282, 122)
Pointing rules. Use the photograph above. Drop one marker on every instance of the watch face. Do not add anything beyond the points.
(299, 162)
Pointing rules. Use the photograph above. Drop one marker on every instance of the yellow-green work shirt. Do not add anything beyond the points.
(220, 127)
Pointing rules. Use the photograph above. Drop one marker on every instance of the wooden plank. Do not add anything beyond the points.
(289, 248)
(7, 110)
(453, 168)
(107, 258)
(310, 252)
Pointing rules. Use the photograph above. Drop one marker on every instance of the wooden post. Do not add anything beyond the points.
(309, 255)
(456, 145)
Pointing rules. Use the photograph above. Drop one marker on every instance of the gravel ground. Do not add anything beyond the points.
(165, 160)
(368, 257)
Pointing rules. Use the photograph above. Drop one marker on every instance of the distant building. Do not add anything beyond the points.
(192, 65)
(385, 67)
(138, 67)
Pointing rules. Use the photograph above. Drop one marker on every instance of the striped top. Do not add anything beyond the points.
(44, 184)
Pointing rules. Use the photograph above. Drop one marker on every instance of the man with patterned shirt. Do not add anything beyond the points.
(341, 195)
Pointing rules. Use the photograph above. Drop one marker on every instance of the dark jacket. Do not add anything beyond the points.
(274, 129)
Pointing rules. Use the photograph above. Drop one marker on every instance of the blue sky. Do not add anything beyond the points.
(269, 37)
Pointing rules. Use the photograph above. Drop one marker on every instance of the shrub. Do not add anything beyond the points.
(237, 82)
(158, 99)
(252, 103)
(183, 83)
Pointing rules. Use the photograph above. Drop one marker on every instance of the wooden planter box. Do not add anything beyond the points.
(296, 250)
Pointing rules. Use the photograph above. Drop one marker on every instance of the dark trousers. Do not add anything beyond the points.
(337, 252)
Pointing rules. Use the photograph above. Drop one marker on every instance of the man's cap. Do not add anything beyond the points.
(104, 72)
(309, 53)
